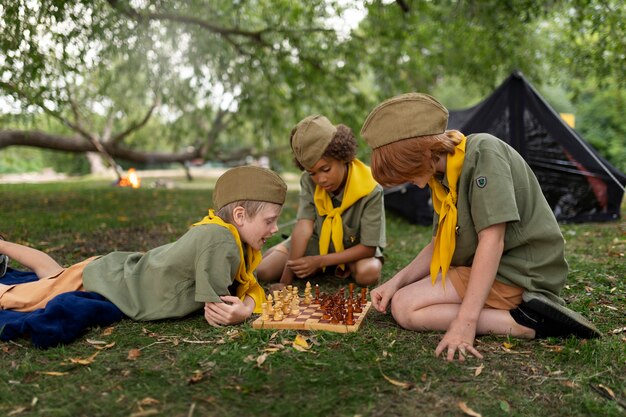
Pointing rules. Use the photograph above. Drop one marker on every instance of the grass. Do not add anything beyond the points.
(187, 368)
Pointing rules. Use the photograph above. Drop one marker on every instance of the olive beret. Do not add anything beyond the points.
(403, 117)
(312, 136)
(249, 183)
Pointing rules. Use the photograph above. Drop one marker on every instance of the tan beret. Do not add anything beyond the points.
(403, 117)
(248, 183)
(311, 138)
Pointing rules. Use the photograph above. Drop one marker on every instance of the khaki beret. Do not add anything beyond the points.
(403, 117)
(311, 138)
(248, 183)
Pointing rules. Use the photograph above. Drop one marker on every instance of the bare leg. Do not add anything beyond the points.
(422, 306)
(271, 267)
(37, 261)
(366, 271)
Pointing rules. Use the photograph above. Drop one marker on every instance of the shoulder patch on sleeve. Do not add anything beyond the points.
(481, 181)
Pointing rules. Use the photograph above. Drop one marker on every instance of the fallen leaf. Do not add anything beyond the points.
(109, 346)
(95, 342)
(300, 343)
(588, 288)
(608, 390)
(233, 334)
(261, 359)
(405, 385)
(570, 384)
(196, 377)
(133, 354)
(507, 345)
(86, 361)
(108, 331)
(479, 369)
(148, 401)
(16, 411)
(271, 349)
(52, 373)
(504, 406)
(468, 410)
(619, 330)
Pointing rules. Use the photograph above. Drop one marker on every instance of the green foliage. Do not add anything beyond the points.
(600, 119)
(265, 64)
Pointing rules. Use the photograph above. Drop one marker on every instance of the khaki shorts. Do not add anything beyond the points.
(501, 296)
(31, 296)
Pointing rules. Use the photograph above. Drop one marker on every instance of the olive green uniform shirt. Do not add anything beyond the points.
(497, 186)
(169, 281)
(363, 222)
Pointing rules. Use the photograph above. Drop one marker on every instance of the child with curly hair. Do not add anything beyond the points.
(341, 217)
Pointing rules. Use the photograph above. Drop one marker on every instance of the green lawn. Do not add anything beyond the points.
(186, 368)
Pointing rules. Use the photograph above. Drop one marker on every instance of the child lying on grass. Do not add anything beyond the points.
(210, 267)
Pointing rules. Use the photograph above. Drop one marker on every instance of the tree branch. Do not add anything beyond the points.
(256, 36)
(44, 140)
(137, 125)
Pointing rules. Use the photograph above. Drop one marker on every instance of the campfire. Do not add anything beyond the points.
(130, 180)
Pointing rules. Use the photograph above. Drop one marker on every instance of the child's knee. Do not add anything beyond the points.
(367, 273)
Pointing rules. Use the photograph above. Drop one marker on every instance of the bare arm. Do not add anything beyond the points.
(462, 330)
(418, 269)
(308, 265)
(231, 310)
(302, 232)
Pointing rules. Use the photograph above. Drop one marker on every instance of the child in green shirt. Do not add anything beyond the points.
(341, 217)
(495, 238)
(210, 267)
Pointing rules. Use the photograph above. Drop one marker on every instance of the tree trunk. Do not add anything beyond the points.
(96, 164)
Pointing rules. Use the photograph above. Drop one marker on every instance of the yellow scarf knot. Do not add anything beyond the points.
(445, 206)
(359, 183)
(248, 284)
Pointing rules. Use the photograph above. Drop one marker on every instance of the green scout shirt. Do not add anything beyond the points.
(497, 186)
(169, 281)
(363, 222)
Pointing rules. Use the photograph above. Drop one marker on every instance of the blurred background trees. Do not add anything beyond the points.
(155, 82)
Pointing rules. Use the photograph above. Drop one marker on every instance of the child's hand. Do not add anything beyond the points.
(459, 337)
(381, 296)
(231, 311)
(305, 266)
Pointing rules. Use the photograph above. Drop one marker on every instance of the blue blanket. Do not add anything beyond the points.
(65, 318)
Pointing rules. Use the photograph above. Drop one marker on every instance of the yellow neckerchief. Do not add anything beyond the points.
(248, 284)
(445, 206)
(358, 184)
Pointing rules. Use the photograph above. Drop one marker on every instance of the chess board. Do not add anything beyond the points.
(310, 318)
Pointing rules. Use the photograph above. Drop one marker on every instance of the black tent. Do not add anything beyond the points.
(578, 183)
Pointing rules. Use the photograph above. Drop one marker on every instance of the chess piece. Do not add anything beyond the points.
(307, 293)
(265, 316)
(278, 311)
(295, 306)
(270, 304)
(363, 297)
(350, 316)
(317, 293)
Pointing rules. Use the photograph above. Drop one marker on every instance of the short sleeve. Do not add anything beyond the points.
(306, 204)
(373, 220)
(492, 192)
(215, 269)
